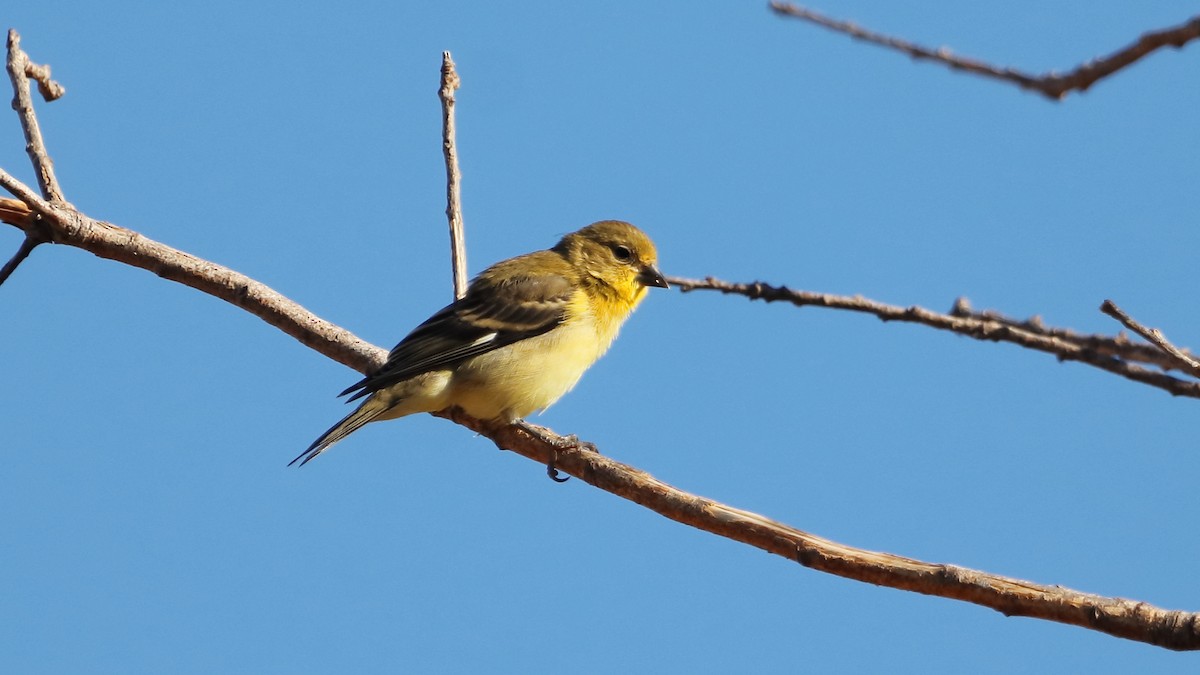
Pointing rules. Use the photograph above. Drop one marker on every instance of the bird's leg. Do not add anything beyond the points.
(543, 434)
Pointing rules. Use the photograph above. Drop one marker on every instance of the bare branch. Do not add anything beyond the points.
(1118, 346)
(27, 245)
(458, 246)
(29, 198)
(1051, 84)
(1013, 597)
(1154, 335)
(19, 71)
(980, 329)
(67, 226)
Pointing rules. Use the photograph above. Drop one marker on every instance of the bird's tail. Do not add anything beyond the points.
(369, 411)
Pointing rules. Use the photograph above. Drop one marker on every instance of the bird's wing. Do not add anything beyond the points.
(490, 316)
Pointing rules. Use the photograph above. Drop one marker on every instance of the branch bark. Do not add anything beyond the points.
(1051, 85)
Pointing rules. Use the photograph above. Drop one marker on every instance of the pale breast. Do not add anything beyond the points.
(522, 378)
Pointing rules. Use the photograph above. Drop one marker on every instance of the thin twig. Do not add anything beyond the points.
(993, 331)
(1050, 84)
(19, 69)
(29, 243)
(1118, 346)
(17, 213)
(1154, 335)
(31, 200)
(49, 88)
(458, 246)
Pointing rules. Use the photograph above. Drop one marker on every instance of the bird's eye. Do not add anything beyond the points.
(623, 253)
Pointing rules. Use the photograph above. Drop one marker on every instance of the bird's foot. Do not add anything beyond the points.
(545, 435)
(574, 443)
(556, 444)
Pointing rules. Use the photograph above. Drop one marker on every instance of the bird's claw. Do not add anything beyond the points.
(552, 472)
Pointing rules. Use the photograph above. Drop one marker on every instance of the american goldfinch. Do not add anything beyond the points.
(518, 340)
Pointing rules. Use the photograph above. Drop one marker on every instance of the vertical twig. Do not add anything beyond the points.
(19, 68)
(458, 247)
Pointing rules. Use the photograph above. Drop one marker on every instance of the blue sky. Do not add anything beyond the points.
(151, 524)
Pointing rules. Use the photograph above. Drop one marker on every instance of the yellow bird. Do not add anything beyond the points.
(518, 340)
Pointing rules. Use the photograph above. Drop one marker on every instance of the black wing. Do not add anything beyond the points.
(490, 316)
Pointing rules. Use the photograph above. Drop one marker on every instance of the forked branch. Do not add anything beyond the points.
(1111, 354)
(1182, 359)
(1051, 85)
(20, 69)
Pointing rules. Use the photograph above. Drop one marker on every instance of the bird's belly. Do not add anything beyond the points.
(527, 376)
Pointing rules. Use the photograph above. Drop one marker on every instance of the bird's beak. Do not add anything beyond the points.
(650, 276)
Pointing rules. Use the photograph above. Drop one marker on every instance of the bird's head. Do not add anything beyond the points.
(616, 254)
